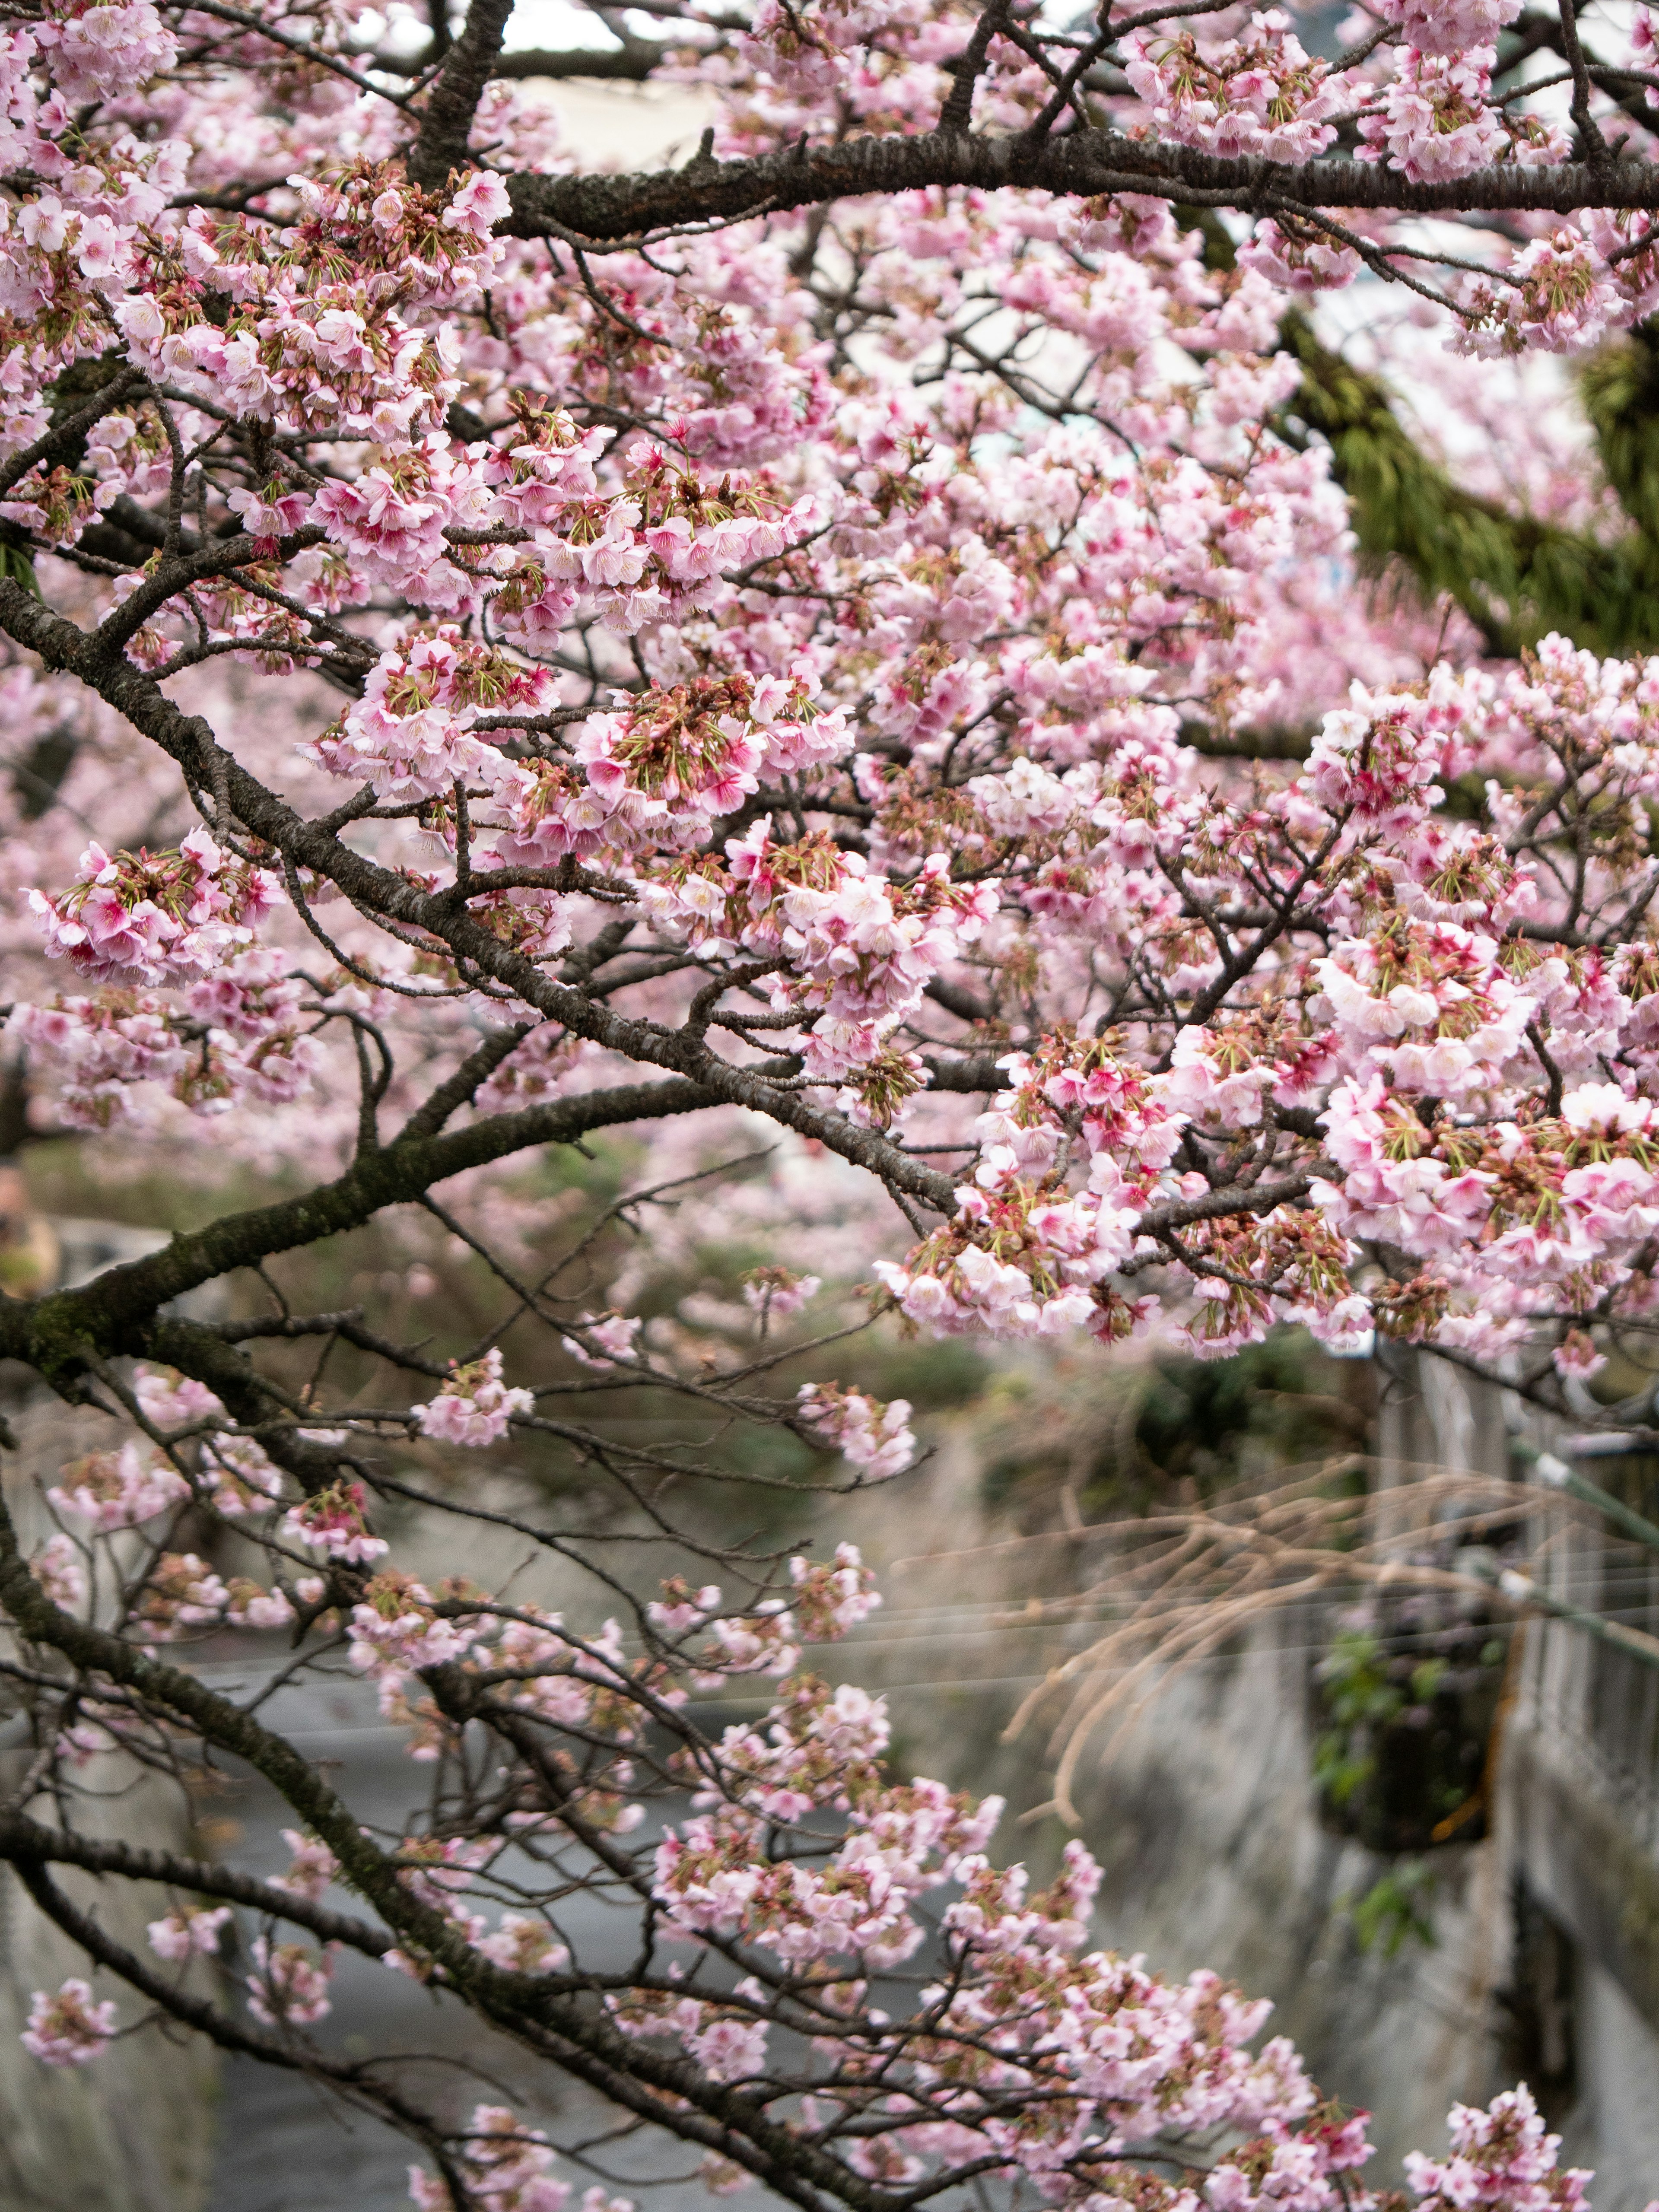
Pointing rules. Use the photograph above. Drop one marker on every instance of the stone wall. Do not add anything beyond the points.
(1581, 1831)
(134, 2132)
(1544, 1958)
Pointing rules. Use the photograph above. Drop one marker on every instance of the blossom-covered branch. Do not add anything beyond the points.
(611, 736)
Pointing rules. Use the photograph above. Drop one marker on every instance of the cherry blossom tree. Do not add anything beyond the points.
(856, 637)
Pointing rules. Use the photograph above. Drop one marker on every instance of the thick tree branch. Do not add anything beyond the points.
(1083, 164)
(1262, 745)
(402, 1172)
(440, 146)
(632, 63)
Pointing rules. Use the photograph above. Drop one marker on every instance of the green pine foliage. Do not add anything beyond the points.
(1621, 389)
(1516, 577)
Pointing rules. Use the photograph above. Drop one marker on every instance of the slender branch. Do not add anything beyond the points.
(26, 1843)
(631, 63)
(58, 442)
(304, 48)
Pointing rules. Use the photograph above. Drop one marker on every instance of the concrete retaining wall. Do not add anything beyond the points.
(133, 2132)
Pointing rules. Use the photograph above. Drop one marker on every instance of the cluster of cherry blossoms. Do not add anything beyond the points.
(188, 1931)
(1499, 2156)
(778, 1293)
(1454, 1067)
(477, 1406)
(1261, 94)
(242, 1036)
(289, 1985)
(830, 934)
(507, 2168)
(143, 917)
(311, 342)
(120, 1489)
(183, 1593)
(1029, 1252)
(335, 1522)
(875, 1439)
(69, 2029)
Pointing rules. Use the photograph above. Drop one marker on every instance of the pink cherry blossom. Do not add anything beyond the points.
(68, 2029)
(289, 1986)
(188, 1931)
(334, 1523)
(476, 1407)
(119, 1490)
(873, 1437)
(60, 1570)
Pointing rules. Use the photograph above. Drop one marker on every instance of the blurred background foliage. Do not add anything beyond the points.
(1125, 1437)
(682, 1258)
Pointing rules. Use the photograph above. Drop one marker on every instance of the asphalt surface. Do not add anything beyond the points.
(287, 2145)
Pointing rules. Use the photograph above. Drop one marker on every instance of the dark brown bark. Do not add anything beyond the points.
(440, 146)
(1081, 164)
